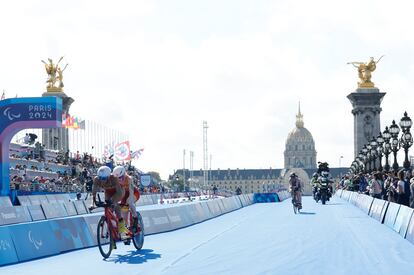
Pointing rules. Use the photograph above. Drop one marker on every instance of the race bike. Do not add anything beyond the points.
(295, 202)
(107, 230)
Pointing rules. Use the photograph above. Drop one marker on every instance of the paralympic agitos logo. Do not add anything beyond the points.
(37, 243)
(7, 113)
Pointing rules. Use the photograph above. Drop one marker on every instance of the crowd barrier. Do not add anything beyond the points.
(378, 209)
(52, 235)
(403, 219)
(265, 197)
(283, 195)
(391, 214)
(5, 202)
(397, 217)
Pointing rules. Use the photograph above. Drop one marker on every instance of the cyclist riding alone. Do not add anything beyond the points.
(113, 193)
(295, 188)
(131, 192)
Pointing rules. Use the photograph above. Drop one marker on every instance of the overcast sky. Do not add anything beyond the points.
(157, 69)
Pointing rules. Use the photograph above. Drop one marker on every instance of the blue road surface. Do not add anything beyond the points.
(336, 238)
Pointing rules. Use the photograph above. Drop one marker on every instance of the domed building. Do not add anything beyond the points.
(300, 148)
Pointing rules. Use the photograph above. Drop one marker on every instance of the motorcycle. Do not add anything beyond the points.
(323, 192)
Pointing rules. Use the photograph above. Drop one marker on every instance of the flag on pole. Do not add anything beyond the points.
(136, 154)
(122, 151)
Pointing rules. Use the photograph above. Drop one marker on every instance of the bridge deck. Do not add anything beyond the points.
(336, 238)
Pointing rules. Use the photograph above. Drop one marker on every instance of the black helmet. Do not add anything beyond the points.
(292, 175)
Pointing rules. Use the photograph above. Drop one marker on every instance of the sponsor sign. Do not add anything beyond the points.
(7, 252)
(33, 240)
(14, 214)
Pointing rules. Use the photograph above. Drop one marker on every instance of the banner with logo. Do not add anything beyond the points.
(33, 240)
(7, 252)
(145, 180)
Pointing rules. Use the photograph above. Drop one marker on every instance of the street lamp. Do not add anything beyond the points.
(406, 140)
(380, 141)
(395, 145)
(360, 158)
(365, 158)
(369, 157)
(374, 145)
(387, 148)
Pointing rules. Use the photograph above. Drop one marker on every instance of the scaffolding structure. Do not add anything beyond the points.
(205, 155)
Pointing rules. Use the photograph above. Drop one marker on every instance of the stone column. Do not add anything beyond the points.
(48, 135)
(366, 104)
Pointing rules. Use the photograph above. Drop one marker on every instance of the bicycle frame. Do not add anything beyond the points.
(112, 222)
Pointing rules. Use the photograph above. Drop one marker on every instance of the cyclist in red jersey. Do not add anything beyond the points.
(131, 192)
(113, 192)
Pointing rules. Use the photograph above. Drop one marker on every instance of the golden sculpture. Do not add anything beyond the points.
(54, 75)
(364, 72)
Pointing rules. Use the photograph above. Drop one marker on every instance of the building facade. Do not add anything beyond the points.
(300, 149)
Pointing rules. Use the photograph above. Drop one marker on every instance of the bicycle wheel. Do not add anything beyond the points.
(138, 238)
(104, 238)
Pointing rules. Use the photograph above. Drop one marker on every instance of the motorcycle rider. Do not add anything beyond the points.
(314, 183)
(325, 179)
(295, 188)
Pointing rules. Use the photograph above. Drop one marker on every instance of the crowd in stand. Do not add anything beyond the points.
(391, 186)
(62, 173)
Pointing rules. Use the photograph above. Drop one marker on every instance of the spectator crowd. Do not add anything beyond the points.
(392, 186)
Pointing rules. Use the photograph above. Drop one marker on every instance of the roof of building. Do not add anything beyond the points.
(255, 174)
(299, 134)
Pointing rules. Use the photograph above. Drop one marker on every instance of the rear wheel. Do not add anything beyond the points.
(104, 238)
(138, 238)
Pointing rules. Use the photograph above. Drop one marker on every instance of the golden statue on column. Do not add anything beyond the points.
(54, 75)
(364, 72)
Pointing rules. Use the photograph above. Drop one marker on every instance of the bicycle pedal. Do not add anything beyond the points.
(127, 242)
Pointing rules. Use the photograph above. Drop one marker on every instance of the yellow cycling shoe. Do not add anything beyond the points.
(122, 228)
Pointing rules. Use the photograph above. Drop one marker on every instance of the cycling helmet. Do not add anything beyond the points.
(119, 171)
(315, 175)
(292, 175)
(103, 173)
(325, 174)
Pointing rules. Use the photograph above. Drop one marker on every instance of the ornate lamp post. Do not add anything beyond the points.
(374, 155)
(361, 161)
(380, 141)
(395, 145)
(406, 140)
(386, 148)
(365, 152)
(369, 157)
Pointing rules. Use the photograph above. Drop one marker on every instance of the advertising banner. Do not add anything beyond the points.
(36, 212)
(24, 200)
(71, 234)
(5, 201)
(54, 210)
(38, 199)
(145, 180)
(70, 208)
(80, 207)
(14, 214)
(7, 252)
(92, 224)
(33, 240)
(24, 113)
